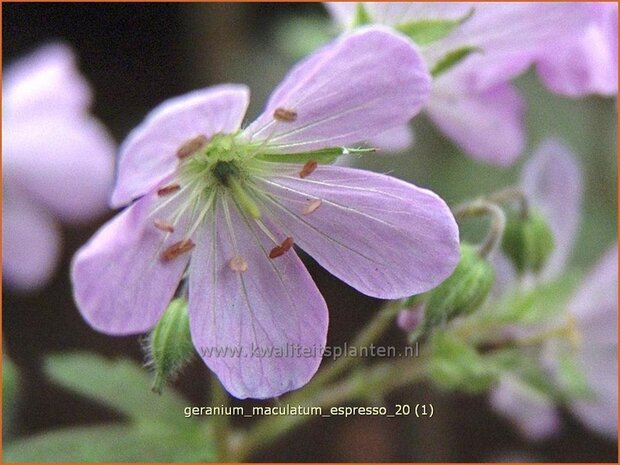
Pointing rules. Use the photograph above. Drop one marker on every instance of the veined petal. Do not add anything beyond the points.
(64, 161)
(488, 125)
(120, 283)
(148, 155)
(552, 179)
(30, 242)
(45, 82)
(272, 306)
(361, 85)
(385, 237)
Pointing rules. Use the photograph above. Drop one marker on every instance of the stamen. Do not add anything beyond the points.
(192, 146)
(282, 248)
(308, 168)
(168, 189)
(283, 114)
(163, 225)
(176, 249)
(238, 264)
(243, 199)
(312, 206)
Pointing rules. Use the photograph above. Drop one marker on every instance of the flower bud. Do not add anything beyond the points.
(463, 292)
(169, 346)
(528, 241)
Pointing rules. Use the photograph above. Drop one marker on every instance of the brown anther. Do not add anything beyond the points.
(238, 263)
(308, 168)
(311, 206)
(192, 146)
(163, 225)
(168, 189)
(176, 249)
(282, 248)
(282, 114)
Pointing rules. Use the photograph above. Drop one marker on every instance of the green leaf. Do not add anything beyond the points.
(325, 156)
(362, 18)
(452, 58)
(112, 443)
(427, 31)
(120, 384)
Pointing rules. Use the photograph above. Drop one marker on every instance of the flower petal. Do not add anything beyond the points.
(552, 179)
(396, 139)
(273, 306)
(595, 307)
(120, 284)
(590, 63)
(535, 416)
(46, 81)
(361, 85)
(383, 236)
(511, 36)
(488, 125)
(65, 162)
(148, 155)
(30, 242)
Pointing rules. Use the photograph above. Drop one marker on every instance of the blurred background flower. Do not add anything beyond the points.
(57, 162)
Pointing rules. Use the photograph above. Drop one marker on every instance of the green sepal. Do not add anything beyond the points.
(323, 156)
(452, 58)
(169, 346)
(528, 241)
(361, 18)
(427, 31)
(463, 292)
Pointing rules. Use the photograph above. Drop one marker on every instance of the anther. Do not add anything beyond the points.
(311, 206)
(282, 248)
(308, 168)
(191, 146)
(163, 225)
(237, 263)
(283, 114)
(176, 249)
(168, 189)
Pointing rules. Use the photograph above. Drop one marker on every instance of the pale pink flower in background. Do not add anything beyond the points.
(474, 103)
(57, 162)
(222, 206)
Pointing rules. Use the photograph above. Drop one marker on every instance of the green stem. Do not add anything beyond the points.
(379, 379)
(481, 207)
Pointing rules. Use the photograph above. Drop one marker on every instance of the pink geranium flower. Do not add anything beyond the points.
(222, 207)
(57, 162)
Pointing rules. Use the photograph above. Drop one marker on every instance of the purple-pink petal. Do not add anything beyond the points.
(488, 125)
(590, 63)
(382, 236)
(552, 181)
(359, 86)
(595, 308)
(120, 283)
(148, 155)
(65, 162)
(273, 305)
(30, 242)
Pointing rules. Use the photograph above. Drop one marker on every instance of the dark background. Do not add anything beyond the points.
(135, 56)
